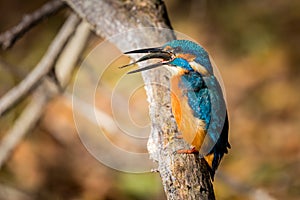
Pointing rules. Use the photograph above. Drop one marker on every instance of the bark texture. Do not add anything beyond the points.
(183, 176)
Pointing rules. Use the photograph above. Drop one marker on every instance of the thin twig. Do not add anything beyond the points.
(71, 54)
(32, 113)
(43, 67)
(9, 37)
(23, 124)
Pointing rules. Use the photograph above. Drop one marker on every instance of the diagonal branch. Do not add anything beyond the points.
(45, 91)
(43, 67)
(25, 122)
(8, 38)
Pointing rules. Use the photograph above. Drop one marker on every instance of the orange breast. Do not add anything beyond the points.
(191, 128)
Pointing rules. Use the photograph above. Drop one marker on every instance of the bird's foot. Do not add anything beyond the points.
(188, 151)
(178, 136)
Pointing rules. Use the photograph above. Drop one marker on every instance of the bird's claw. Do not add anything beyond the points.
(178, 136)
(188, 151)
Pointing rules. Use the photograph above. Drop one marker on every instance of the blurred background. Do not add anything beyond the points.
(256, 46)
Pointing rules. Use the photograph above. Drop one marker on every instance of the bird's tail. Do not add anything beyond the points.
(215, 156)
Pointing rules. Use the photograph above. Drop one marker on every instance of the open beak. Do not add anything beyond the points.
(153, 53)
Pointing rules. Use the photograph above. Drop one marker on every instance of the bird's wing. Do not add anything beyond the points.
(191, 127)
(217, 115)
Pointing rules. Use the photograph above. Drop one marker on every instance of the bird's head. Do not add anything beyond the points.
(182, 56)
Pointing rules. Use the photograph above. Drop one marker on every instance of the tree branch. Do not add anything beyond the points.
(183, 176)
(9, 37)
(23, 125)
(32, 113)
(43, 67)
(68, 58)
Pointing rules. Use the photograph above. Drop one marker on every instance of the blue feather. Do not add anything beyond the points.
(198, 95)
(190, 47)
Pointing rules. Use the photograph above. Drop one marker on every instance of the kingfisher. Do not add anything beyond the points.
(197, 100)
